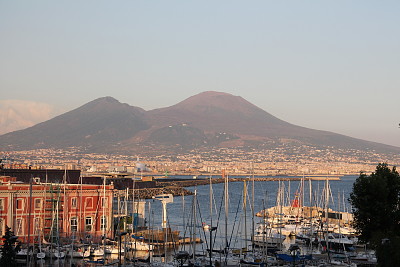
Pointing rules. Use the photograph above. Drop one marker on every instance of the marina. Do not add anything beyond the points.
(188, 133)
(243, 222)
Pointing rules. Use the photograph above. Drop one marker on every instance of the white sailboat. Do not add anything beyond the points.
(268, 236)
(81, 251)
(140, 246)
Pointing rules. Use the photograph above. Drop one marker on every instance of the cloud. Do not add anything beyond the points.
(21, 114)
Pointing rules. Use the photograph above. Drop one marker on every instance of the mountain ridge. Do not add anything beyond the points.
(207, 119)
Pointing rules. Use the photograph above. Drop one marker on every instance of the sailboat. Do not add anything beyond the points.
(79, 251)
(266, 234)
(227, 258)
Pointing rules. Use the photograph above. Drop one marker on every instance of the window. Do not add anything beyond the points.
(19, 227)
(103, 223)
(19, 204)
(38, 203)
(88, 224)
(104, 202)
(89, 202)
(74, 224)
(74, 202)
(1, 203)
(36, 226)
(1, 227)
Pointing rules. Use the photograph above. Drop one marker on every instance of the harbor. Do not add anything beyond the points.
(243, 221)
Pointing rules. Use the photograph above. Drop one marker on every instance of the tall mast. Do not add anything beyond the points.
(226, 209)
(133, 205)
(310, 189)
(194, 224)
(126, 208)
(211, 203)
(105, 219)
(281, 212)
(183, 219)
(302, 194)
(245, 213)
(65, 203)
(211, 218)
(252, 209)
(29, 218)
(326, 215)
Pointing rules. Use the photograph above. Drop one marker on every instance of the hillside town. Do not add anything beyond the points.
(60, 214)
(280, 160)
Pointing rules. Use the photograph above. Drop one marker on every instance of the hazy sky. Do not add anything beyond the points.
(327, 65)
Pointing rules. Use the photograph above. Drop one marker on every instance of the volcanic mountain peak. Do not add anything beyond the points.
(101, 121)
(104, 104)
(198, 120)
(220, 100)
(218, 112)
(106, 99)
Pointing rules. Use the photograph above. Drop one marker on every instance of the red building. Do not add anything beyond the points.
(53, 211)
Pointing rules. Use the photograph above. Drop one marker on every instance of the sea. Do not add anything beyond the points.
(184, 216)
(189, 214)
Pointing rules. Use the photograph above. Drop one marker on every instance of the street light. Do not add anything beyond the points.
(120, 235)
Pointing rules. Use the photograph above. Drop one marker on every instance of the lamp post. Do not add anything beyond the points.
(120, 235)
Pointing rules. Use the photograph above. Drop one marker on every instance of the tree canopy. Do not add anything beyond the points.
(9, 248)
(376, 207)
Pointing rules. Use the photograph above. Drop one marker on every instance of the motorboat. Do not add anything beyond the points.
(337, 242)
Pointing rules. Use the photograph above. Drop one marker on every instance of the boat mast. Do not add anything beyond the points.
(133, 204)
(183, 219)
(302, 196)
(252, 208)
(281, 196)
(126, 208)
(104, 218)
(211, 219)
(194, 224)
(245, 213)
(310, 189)
(226, 193)
(326, 215)
(211, 203)
(29, 219)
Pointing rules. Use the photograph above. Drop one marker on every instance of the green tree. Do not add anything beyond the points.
(375, 199)
(9, 248)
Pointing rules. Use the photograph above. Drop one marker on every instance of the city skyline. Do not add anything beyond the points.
(328, 66)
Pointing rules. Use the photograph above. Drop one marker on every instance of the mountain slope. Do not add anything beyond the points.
(99, 122)
(207, 119)
(215, 112)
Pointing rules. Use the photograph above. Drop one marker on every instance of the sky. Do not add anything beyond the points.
(326, 65)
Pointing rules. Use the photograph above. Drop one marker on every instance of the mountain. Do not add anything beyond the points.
(216, 112)
(97, 123)
(207, 119)
(219, 112)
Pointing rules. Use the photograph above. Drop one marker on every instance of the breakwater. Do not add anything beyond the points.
(193, 182)
(147, 193)
(177, 187)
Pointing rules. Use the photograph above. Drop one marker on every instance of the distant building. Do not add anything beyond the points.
(52, 211)
(116, 169)
(49, 175)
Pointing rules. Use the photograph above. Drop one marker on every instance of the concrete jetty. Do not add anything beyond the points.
(177, 187)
